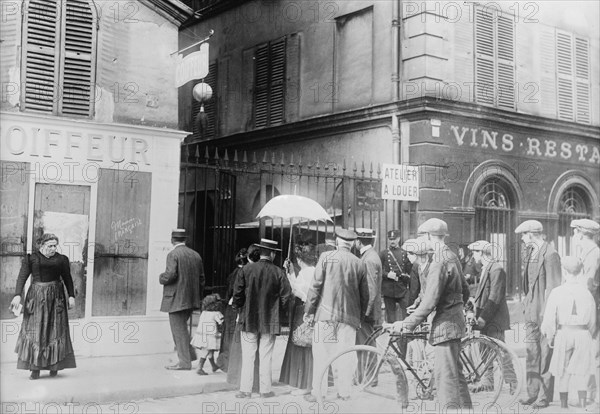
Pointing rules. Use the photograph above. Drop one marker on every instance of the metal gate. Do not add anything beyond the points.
(219, 199)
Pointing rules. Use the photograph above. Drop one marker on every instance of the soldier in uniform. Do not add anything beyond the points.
(395, 278)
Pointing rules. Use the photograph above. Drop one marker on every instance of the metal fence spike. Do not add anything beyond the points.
(235, 156)
(245, 157)
(216, 153)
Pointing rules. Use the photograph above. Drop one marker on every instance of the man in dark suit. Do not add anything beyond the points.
(542, 273)
(491, 310)
(260, 293)
(183, 282)
(395, 278)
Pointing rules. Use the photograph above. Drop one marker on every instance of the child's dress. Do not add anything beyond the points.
(207, 334)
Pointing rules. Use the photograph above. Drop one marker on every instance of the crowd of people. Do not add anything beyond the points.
(343, 290)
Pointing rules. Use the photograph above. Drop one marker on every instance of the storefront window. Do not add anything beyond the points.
(574, 204)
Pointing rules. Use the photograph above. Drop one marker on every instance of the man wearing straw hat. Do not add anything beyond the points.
(183, 282)
(260, 293)
(541, 274)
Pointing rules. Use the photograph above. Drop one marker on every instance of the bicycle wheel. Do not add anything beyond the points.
(490, 373)
(366, 378)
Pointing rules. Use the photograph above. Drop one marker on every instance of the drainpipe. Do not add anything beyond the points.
(395, 78)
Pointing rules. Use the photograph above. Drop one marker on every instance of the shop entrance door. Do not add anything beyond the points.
(64, 210)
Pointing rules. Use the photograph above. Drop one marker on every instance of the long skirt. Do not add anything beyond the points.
(44, 341)
(297, 367)
(234, 369)
(228, 330)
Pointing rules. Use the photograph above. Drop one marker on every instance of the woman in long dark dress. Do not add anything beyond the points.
(234, 368)
(44, 342)
(297, 367)
(241, 258)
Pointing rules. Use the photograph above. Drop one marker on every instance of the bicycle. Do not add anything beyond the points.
(381, 365)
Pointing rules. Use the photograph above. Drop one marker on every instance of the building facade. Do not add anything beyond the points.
(496, 103)
(90, 152)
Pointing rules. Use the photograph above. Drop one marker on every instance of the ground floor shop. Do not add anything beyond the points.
(109, 192)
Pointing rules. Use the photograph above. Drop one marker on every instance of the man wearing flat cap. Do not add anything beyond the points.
(541, 274)
(368, 255)
(446, 291)
(337, 302)
(183, 285)
(260, 293)
(395, 278)
(586, 249)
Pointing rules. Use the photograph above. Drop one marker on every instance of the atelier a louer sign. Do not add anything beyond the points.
(192, 66)
(400, 182)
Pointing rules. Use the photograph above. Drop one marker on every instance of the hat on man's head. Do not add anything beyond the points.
(363, 233)
(345, 234)
(268, 244)
(571, 264)
(434, 226)
(179, 234)
(479, 245)
(586, 225)
(418, 246)
(530, 226)
(394, 234)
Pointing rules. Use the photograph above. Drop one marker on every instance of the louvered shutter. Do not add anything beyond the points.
(210, 107)
(506, 62)
(564, 60)
(582, 80)
(548, 71)
(41, 32)
(261, 86)
(484, 57)
(277, 82)
(78, 44)
(292, 86)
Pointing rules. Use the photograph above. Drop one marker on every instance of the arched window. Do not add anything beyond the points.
(494, 221)
(59, 57)
(575, 203)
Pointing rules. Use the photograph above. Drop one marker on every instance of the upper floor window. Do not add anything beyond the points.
(59, 53)
(573, 77)
(494, 58)
(269, 83)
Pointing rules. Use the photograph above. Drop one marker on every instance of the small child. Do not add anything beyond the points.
(208, 338)
(569, 319)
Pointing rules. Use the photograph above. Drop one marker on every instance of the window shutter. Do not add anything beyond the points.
(210, 107)
(547, 55)
(261, 86)
(564, 58)
(292, 86)
(484, 57)
(77, 61)
(582, 80)
(506, 62)
(41, 32)
(277, 87)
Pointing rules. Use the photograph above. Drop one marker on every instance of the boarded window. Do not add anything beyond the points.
(121, 249)
(494, 58)
(208, 128)
(269, 83)
(573, 77)
(59, 49)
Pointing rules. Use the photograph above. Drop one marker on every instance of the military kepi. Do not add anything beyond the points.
(394, 234)
(530, 226)
(179, 234)
(345, 234)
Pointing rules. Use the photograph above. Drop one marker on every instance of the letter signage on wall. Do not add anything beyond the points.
(193, 66)
(400, 182)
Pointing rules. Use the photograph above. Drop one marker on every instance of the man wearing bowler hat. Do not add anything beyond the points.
(336, 303)
(541, 274)
(183, 285)
(260, 293)
(395, 278)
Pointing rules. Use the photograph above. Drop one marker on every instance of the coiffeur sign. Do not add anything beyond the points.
(400, 182)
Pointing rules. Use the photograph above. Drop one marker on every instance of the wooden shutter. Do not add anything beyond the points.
(277, 82)
(547, 55)
(261, 86)
(121, 249)
(484, 57)
(78, 47)
(582, 80)
(210, 107)
(41, 33)
(248, 78)
(292, 87)
(564, 60)
(506, 62)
